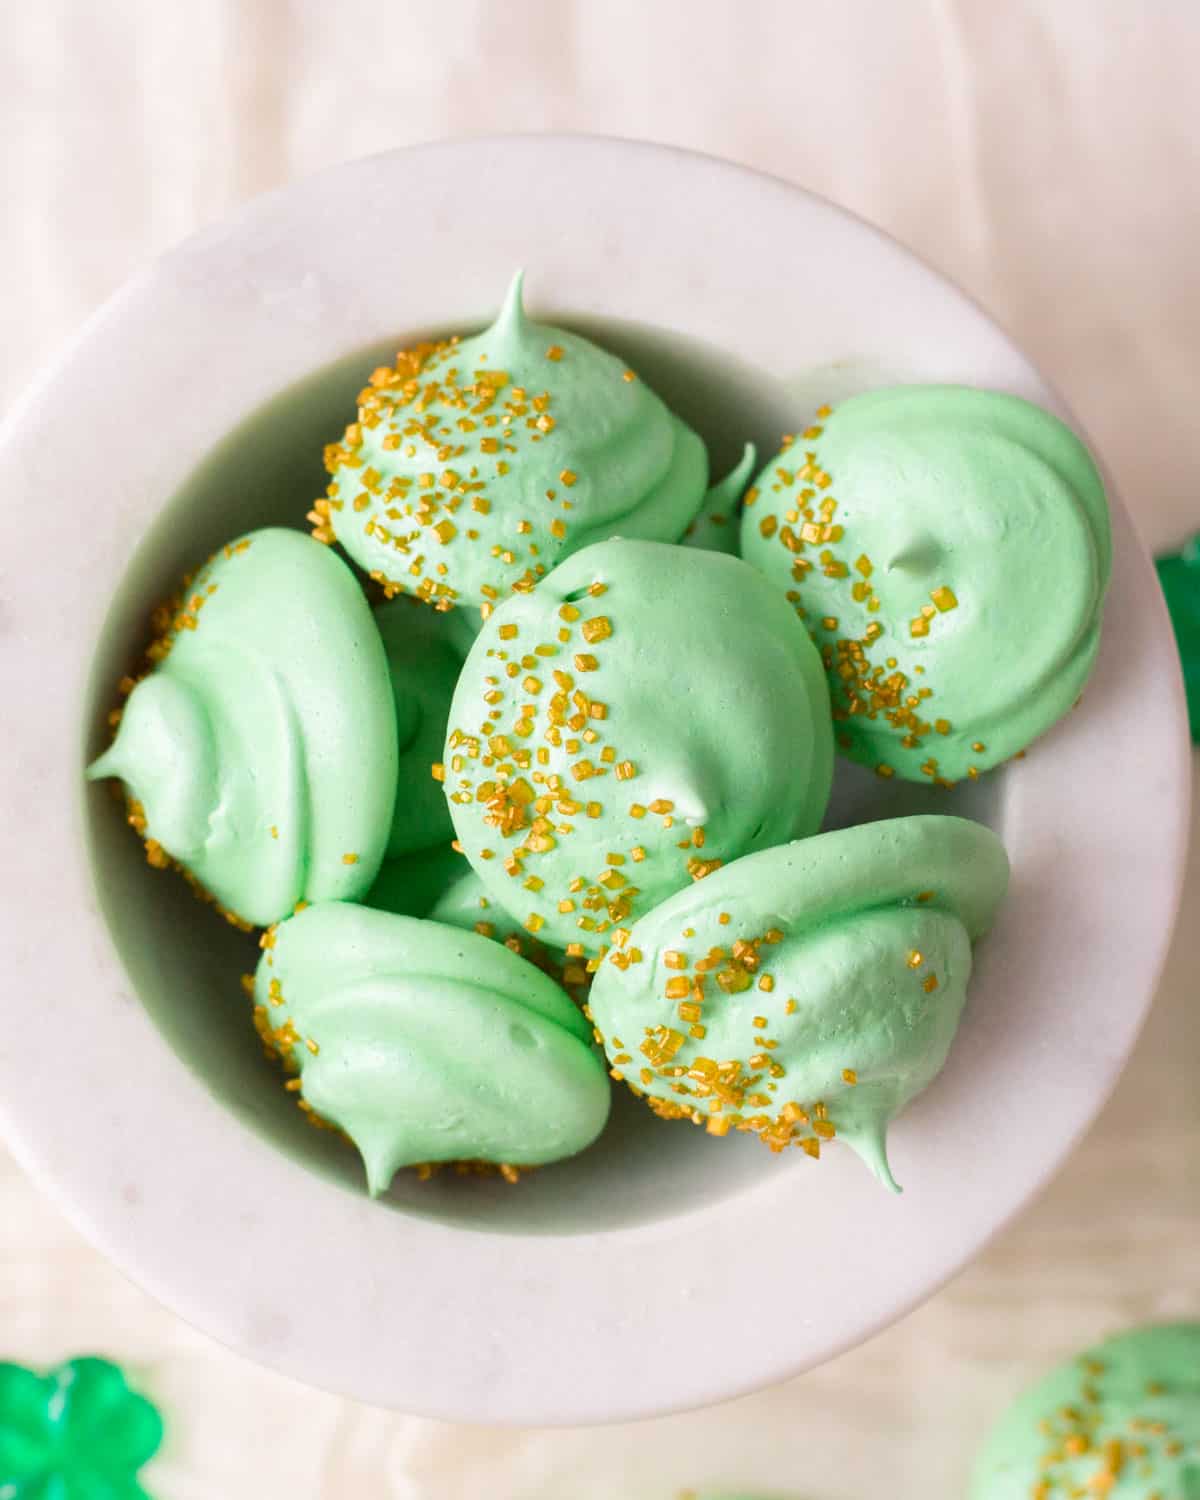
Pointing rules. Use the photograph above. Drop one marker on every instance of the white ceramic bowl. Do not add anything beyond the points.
(663, 1269)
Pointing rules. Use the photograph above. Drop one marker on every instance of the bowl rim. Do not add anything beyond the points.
(530, 1330)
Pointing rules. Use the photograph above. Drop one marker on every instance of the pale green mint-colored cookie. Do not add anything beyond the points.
(1121, 1420)
(717, 525)
(413, 884)
(807, 992)
(949, 550)
(440, 884)
(451, 892)
(477, 465)
(260, 752)
(424, 658)
(470, 905)
(467, 904)
(648, 713)
(425, 1043)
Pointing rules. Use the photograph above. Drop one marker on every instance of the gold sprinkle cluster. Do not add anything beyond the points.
(468, 427)
(571, 975)
(536, 716)
(182, 611)
(1087, 1457)
(427, 1170)
(280, 1039)
(159, 859)
(729, 1094)
(865, 682)
(743, 1094)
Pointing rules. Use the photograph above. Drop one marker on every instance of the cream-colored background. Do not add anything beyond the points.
(1045, 155)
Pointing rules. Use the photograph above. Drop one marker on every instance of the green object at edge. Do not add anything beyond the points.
(75, 1433)
(1179, 575)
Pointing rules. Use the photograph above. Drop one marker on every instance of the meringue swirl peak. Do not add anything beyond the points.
(259, 753)
(808, 992)
(949, 550)
(425, 1043)
(476, 465)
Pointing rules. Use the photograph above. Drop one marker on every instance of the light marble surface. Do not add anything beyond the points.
(1048, 158)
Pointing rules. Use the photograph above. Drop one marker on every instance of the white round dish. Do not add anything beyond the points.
(662, 1270)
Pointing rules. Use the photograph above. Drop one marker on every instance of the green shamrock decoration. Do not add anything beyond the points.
(76, 1433)
(1179, 574)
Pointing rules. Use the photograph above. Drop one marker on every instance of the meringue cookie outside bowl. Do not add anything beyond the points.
(194, 407)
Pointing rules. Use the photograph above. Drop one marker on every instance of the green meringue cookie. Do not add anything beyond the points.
(1123, 1419)
(439, 884)
(949, 549)
(809, 990)
(456, 896)
(475, 466)
(424, 661)
(716, 525)
(428, 1044)
(648, 712)
(413, 884)
(466, 904)
(261, 750)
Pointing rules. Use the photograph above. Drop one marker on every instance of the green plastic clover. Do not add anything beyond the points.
(76, 1433)
(1179, 574)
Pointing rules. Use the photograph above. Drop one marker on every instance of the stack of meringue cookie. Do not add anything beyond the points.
(544, 780)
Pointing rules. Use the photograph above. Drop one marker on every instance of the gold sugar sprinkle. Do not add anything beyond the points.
(597, 629)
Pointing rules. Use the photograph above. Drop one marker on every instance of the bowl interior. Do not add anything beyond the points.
(185, 962)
